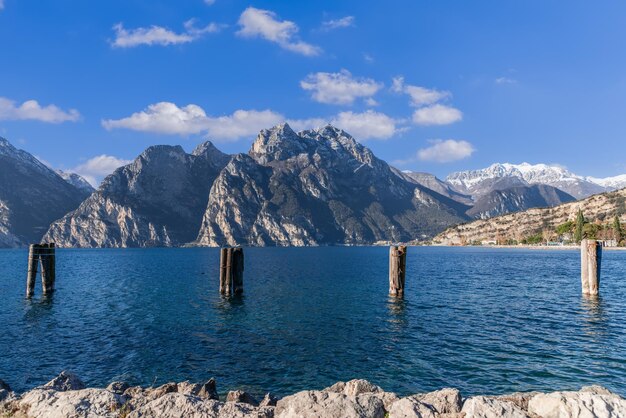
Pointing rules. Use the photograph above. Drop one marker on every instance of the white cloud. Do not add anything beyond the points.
(32, 110)
(258, 23)
(1, 4)
(368, 58)
(420, 96)
(344, 22)
(94, 169)
(445, 151)
(339, 88)
(363, 126)
(209, 2)
(168, 118)
(242, 123)
(157, 35)
(366, 125)
(437, 114)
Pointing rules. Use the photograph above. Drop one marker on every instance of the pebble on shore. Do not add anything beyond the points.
(66, 396)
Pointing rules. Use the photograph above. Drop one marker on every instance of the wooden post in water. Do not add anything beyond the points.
(223, 252)
(237, 260)
(397, 270)
(41, 255)
(590, 266)
(46, 255)
(33, 261)
(229, 271)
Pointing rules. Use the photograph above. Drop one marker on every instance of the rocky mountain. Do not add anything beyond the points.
(31, 196)
(433, 183)
(500, 201)
(157, 200)
(479, 182)
(318, 187)
(517, 226)
(77, 181)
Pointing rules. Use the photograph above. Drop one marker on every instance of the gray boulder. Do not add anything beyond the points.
(241, 397)
(118, 387)
(269, 400)
(64, 382)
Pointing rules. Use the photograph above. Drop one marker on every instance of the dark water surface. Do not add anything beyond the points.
(482, 320)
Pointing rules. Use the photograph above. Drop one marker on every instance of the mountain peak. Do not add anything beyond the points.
(277, 143)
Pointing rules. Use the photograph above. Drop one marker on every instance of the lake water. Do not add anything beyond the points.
(481, 320)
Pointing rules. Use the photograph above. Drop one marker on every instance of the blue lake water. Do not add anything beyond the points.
(482, 320)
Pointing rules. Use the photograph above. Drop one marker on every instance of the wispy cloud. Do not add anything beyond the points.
(209, 2)
(168, 118)
(158, 35)
(32, 110)
(1, 4)
(505, 80)
(339, 88)
(344, 22)
(419, 95)
(258, 23)
(445, 151)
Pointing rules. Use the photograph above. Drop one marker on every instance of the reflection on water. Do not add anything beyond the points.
(595, 320)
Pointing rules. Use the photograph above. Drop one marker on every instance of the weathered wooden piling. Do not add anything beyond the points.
(397, 270)
(33, 261)
(223, 252)
(590, 266)
(237, 260)
(231, 270)
(42, 255)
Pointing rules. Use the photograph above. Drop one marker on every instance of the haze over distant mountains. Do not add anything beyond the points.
(315, 187)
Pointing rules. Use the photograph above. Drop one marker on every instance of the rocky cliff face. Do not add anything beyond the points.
(318, 187)
(517, 226)
(157, 200)
(517, 198)
(433, 183)
(31, 197)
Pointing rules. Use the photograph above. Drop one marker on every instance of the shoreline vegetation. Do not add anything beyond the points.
(67, 396)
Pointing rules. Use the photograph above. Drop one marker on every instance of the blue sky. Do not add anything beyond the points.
(434, 86)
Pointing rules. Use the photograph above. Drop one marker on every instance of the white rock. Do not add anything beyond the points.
(484, 407)
(85, 403)
(330, 405)
(177, 405)
(588, 402)
(411, 408)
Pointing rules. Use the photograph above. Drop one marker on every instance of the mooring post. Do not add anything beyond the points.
(238, 270)
(223, 270)
(397, 270)
(46, 256)
(229, 271)
(590, 266)
(33, 261)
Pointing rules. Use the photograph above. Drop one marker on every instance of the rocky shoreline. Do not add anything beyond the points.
(67, 396)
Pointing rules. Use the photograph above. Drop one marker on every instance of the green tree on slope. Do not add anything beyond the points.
(617, 230)
(580, 224)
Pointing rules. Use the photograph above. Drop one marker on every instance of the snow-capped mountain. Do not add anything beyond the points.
(610, 183)
(77, 181)
(479, 182)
